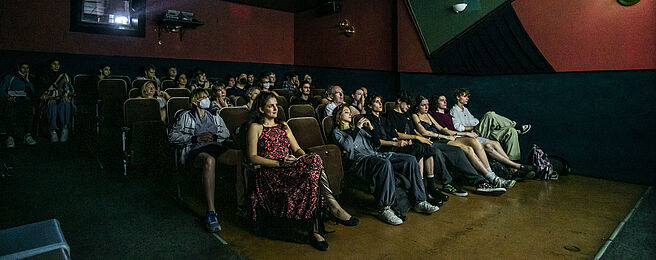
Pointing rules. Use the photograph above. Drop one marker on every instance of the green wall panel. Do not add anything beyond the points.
(438, 24)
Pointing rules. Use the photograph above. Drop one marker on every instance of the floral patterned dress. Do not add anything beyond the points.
(290, 192)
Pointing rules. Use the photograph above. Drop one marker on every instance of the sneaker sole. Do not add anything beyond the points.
(426, 212)
(493, 192)
(213, 230)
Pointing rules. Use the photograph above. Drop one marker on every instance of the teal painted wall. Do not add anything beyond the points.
(602, 122)
(438, 24)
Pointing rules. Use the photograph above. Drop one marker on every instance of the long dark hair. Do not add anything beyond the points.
(418, 102)
(337, 114)
(260, 102)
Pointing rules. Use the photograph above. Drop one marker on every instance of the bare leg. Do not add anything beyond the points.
(333, 205)
(421, 166)
(429, 165)
(208, 163)
(493, 147)
(471, 155)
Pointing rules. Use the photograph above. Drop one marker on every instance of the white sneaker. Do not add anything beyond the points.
(389, 217)
(64, 135)
(10, 142)
(29, 140)
(53, 136)
(425, 207)
(503, 183)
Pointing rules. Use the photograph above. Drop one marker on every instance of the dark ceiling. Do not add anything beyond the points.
(291, 6)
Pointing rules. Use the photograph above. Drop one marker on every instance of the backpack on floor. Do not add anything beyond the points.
(560, 165)
(401, 204)
(540, 159)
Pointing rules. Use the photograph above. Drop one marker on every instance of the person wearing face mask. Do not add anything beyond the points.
(240, 89)
(16, 91)
(202, 133)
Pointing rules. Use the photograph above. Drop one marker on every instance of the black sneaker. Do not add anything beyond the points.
(438, 195)
(450, 188)
(485, 188)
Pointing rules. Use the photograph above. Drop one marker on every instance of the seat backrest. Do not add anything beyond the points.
(134, 93)
(348, 99)
(389, 106)
(178, 92)
(81, 81)
(137, 83)
(234, 117)
(301, 111)
(174, 104)
(327, 127)
(307, 131)
(282, 116)
(331, 156)
(112, 92)
(356, 118)
(282, 101)
(318, 92)
(127, 80)
(166, 84)
(320, 110)
(283, 92)
(139, 110)
(240, 101)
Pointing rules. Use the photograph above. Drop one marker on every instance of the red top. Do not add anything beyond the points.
(445, 120)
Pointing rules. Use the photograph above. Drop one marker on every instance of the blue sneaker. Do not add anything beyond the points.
(212, 222)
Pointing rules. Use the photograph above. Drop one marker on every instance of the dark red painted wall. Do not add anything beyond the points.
(591, 35)
(232, 32)
(318, 42)
(411, 53)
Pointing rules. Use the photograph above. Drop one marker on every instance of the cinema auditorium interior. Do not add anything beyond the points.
(327, 129)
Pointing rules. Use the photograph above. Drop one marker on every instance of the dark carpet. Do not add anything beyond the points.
(101, 215)
(637, 239)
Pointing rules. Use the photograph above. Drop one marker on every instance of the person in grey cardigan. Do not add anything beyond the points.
(202, 132)
(360, 144)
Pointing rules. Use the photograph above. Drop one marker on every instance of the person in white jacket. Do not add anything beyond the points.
(202, 133)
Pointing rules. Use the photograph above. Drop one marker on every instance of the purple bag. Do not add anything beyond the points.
(541, 161)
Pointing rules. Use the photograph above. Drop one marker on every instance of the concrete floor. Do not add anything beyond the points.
(569, 218)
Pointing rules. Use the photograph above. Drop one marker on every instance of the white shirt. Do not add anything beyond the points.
(329, 109)
(462, 118)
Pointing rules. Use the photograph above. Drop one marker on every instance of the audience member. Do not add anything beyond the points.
(291, 82)
(358, 100)
(219, 98)
(149, 74)
(493, 148)
(303, 96)
(491, 126)
(252, 94)
(148, 90)
(290, 182)
(200, 79)
(181, 81)
(239, 90)
(377, 168)
(58, 99)
(250, 79)
(202, 134)
(272, 78)
(307, 78)
(427, 126)
(364, 91)
(16, 91)
(336, 94)
(171, 73)
(230, 81)
(390, 142)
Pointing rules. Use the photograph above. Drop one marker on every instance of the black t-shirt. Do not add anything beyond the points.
(296, 100)
(237, 92)
(381, 127)
(400, 122)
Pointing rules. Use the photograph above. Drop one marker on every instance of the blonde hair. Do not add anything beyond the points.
(196, 94)
(143, 87)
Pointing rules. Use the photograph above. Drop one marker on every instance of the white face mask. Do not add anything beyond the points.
(266, 85)
(204, 103)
